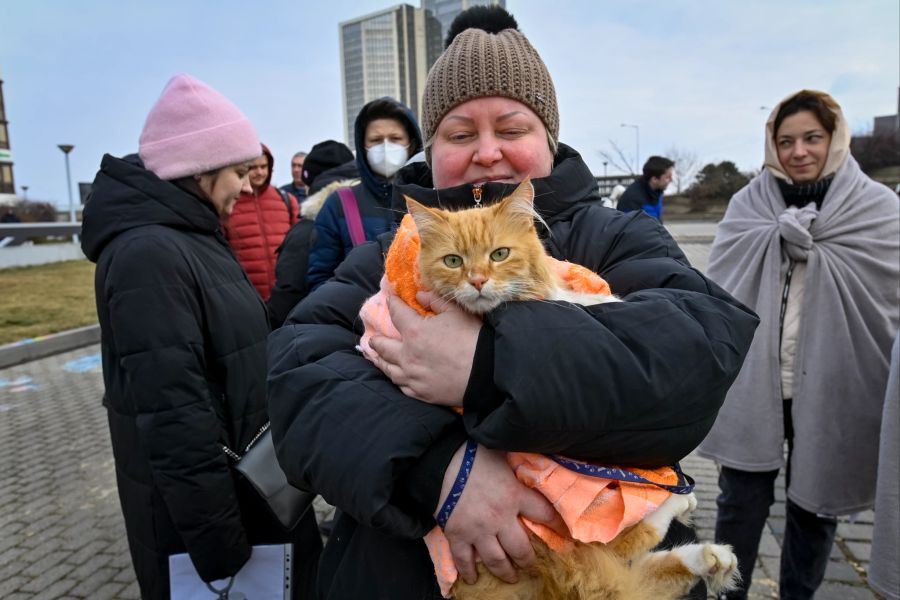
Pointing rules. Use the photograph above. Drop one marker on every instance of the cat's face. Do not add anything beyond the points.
(482, 257)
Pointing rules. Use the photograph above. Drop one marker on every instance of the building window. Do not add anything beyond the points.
(6, 179)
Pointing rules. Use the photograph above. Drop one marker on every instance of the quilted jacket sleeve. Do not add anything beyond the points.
(638, 382)
(178, 430)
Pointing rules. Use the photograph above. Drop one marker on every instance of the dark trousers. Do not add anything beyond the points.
(743, 509)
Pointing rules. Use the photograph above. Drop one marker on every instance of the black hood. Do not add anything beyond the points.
(569, 185)
(125, 195)
(378, 184)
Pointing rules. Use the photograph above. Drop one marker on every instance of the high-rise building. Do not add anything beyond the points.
(386, 53)
(7, 185)
(446, 10)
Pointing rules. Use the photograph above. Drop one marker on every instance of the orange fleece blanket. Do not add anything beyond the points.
(594, 509)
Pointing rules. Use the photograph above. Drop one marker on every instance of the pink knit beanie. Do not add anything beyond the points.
(193, 129)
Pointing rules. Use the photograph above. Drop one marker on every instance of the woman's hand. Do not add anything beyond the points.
(433, 360)
(485, 525)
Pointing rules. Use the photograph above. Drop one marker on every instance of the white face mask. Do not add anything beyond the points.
(387, 158)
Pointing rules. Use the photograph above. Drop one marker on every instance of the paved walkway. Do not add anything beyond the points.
(61, 530)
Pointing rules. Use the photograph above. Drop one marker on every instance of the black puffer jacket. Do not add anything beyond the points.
(183, 347)
(632, 383)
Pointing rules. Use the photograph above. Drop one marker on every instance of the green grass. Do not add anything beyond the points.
(46, 299)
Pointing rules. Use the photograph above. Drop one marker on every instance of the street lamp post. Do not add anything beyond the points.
(66, 149)
(604, 167)
(24, 192)
(637, 145)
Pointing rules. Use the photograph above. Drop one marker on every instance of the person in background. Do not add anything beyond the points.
(183, 342)
(297, 188)
(329, 161)
(386, 135)
(257, 225)
(324, 160)
(646, 193)
(811, 244)
(605, 383)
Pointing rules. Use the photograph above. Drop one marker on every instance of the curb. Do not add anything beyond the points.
(694, 239)
(30, 349)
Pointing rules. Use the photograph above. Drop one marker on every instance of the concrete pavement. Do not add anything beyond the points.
(61, 530)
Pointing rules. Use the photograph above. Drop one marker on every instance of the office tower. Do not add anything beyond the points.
(446, 10)
(386, 53)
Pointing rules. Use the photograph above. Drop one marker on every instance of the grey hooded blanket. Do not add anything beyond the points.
(849, 316)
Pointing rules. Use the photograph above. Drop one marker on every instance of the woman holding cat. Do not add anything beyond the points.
(813, 245)
(634, 383)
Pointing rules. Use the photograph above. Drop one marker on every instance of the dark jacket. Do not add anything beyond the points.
(293, 254)
(299, 193)
(373, 196)
(183, 346)
(632, 383)
(640, 196)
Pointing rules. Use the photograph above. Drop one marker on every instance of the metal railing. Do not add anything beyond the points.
(12, 234)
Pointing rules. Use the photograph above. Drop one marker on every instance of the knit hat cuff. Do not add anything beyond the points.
(200, 151)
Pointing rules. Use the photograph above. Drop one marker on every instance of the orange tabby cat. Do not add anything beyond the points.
(480, 258)
(483, 257)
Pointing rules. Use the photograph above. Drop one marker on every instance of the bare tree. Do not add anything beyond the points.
(617, 158)
(687, 163)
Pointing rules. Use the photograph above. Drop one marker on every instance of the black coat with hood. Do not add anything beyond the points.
(633, 383)
(373, 197)
(183, 347)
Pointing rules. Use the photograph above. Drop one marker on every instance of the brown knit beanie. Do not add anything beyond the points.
(489, 58)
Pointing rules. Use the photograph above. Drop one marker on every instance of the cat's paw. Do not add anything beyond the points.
(676, 506)
(685, 516)
(715, 563)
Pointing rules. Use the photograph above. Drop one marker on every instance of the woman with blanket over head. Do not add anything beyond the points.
(634, 383)
(813, 245)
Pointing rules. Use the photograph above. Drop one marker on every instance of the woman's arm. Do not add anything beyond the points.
(340, 426)
(634, 383)
(154, 321)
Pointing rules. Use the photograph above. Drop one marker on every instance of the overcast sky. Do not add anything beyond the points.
(691, 74)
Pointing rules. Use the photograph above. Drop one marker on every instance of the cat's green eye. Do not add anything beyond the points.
(499, 254)
(453, 261)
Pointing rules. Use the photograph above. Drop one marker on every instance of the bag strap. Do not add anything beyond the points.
(685, 482)
(351, 213)
(234, 455)
(287, 203)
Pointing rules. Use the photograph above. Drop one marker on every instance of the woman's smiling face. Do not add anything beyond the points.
(802, 143)
(489, 139)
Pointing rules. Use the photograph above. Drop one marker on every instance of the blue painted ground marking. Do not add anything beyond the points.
(85, 364)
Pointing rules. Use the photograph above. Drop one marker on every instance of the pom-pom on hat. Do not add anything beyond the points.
(193, 129)
(323, 156)
(486, 55)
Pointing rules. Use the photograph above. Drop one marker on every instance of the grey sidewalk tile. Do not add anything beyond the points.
(854, 531)
(10, 584)
(861, 551)
(47, 578)
(92, 581)
(841, 591)
(57, 589)
(840, 570)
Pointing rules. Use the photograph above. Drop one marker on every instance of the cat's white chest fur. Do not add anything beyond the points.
(581, 298)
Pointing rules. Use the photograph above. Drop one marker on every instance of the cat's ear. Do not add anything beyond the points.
(424, 217)
(520, 204)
